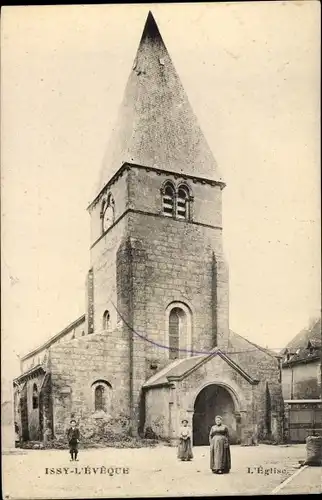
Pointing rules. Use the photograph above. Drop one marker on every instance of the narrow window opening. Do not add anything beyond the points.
(106, 320)
(35, 399)
(99, 398)
(182, 203)
(107, 213)
(102, 394)
(174, 333)
(168, 201)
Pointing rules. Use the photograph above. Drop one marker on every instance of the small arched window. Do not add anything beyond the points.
(107, 212)
(106, 320)
(35, 398)
(183, 203)
(99, 398)
(102, 393)
(168, 200)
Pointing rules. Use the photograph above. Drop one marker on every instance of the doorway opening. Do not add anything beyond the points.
(211, 401)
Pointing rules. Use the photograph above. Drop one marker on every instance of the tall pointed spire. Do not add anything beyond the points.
(156, 125)
(151, 29)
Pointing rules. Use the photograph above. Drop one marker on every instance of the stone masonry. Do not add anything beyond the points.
(154, 345)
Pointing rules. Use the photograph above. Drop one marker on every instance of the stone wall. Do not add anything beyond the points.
(287, 376)
(248, 421)
(75, 366)
(147, 261)
(75, 330)
(184, 258)
(302, 381)
(33, 413)
(267, 370)
(175, 271)
(144, 194)
(104, 265)
(118, 190)
(157, 403)
(29, 416)
(46, 409)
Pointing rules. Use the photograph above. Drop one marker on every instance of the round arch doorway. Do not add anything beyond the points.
(214, 400)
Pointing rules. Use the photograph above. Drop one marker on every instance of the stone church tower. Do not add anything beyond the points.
(156, 248)
(155, 344)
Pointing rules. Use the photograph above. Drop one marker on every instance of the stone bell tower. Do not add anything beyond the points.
(159, 282)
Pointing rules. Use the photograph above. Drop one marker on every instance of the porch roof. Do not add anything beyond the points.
(31, 373)
(180, 369)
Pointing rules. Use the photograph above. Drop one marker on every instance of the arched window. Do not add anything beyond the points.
(183, 203)
(176, 202)
(168, 200)
(174, 332)
(107, 212)
(179, 331)
(106, 320)
(35, 399)
(99, 398)
(102, 393)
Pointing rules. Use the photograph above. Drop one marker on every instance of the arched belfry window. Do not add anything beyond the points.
(183, 203)
(179, 331)
(35, 397)
(107, 212)
(168, 200)
(106, 320)
(102, 393)
(176, 202)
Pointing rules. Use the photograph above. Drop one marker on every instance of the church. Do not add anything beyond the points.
(154, 345)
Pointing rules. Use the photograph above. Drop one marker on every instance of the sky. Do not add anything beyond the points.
(252, 74)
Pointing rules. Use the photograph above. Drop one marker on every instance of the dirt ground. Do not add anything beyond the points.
(146, 472)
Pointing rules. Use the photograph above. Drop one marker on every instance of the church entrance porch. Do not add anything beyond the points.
(200, 387)
(214, 400)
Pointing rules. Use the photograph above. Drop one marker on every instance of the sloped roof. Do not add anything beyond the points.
(177, 368)
(54, 338)
(304, 355)
(305, 346)
(315, 343)
(239, 342)
(180, 369)
(156, 126)
(300, 341)
(31, 373)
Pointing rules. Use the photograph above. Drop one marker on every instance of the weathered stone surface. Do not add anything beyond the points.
(152, 274)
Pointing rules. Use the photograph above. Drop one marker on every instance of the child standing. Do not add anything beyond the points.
(73, 440)
(184, 448)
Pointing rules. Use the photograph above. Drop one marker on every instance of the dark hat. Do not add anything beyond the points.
(184, 420)
(73, 420)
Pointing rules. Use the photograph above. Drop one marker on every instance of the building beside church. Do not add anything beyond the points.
(302, 384)
(301, 368)
(154, 344)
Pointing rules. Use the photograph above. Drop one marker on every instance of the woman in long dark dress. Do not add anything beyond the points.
(220, 461)
(184, 448)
